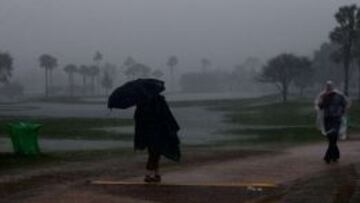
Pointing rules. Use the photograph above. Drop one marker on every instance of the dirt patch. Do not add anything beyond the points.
(18, 186)
(181, 194)
(336, 185)
(283, 168)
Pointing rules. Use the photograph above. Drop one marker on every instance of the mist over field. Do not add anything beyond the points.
(179, 101)
(224, 32)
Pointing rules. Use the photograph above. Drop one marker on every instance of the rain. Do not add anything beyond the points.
(245, 81)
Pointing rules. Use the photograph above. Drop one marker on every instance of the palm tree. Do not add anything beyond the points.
(205, 64)
(325, 68)
(344, 35)
(305, 76)
(93, 72)
(171, 63)
(47, 62)
(70, 69)
(137, 70)
(357, 56)
(107, 82)
(129, 61)
(157, 74)
(6, 67)
(357, 48)
(111, 70)
(83, 71)
(98, 57)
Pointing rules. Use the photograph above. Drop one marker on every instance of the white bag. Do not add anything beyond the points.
(320, 121)
(321, 126)
(343, 128)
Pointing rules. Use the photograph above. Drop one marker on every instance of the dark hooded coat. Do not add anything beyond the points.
(156, 127)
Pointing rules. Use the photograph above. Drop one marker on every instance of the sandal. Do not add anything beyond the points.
(152, 179)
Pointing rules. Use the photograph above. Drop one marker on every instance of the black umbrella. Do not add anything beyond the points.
(134, 92)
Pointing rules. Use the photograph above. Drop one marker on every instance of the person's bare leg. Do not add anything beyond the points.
(157, 171)
(156, 163)
(152, 166)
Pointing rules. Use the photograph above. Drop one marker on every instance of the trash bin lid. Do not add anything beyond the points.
(25, 125)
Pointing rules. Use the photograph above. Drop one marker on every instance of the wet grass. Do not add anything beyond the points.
(275, 114)
(261, 121)
(266, 121)
(354, 114)
(333, 185)
(188, 103)
(270, 136)
(223, 104)
(74, 128)
(9, 161)
(11, 164)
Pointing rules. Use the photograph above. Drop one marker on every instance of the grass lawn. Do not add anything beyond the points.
(75, 128)
(258, 121)
(265, 121)
(10, 161)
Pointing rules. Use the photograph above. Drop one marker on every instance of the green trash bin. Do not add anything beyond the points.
(24, 137)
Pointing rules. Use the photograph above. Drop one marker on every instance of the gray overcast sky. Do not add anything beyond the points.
(226, 31)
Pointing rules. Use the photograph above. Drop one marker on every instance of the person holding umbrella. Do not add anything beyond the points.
(155, 126)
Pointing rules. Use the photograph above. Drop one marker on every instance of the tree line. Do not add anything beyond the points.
(334, 60)
(342, 50)
(8, 89)
(98, 74)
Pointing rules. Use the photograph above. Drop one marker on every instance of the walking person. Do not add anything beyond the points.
(156, 131)
(333, 105)
(155, 126)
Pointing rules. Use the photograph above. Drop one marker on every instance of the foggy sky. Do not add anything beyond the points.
(225, 31)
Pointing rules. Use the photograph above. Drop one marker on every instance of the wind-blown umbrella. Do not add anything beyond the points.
(134, 92)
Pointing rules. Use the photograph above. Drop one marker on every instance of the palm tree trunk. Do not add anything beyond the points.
(84, 81)
(93, 85)
(71, 84)
(172, 77)
(84, 84)
(46, 83)
(346, 76)
(50, 80)
(284, 95)
(347, 60)
(98, 84)
(359, 79)
(285, 92)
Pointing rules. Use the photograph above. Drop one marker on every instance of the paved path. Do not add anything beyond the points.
(293, 164)
(277, 169)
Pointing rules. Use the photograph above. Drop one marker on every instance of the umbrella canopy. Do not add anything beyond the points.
(134, 92)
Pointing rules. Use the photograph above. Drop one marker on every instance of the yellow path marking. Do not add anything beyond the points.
(241, 184)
